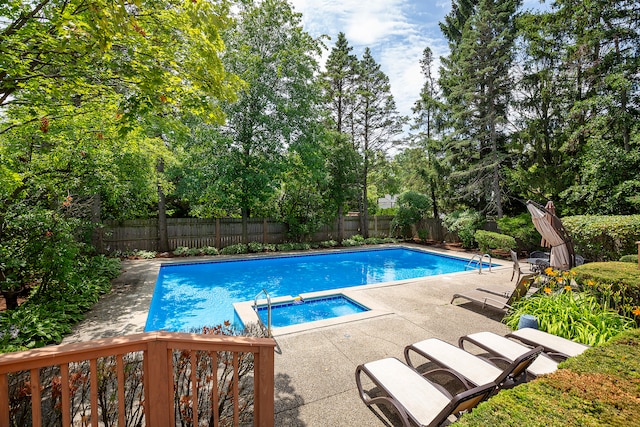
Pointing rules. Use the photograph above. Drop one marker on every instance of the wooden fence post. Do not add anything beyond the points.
(217, 233)
(158, 396)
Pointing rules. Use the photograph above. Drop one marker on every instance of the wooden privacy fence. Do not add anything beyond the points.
(220, 232)
(153, 379)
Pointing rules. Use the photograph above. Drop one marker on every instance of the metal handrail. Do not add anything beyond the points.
(478, 259)
(255, 307)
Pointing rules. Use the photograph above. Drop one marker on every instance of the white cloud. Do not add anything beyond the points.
(397, 31)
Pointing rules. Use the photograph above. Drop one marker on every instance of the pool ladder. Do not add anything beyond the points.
(255, 307)
(478, 259)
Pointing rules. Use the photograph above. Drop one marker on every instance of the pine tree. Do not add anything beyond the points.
(376, 122)
(479, 95)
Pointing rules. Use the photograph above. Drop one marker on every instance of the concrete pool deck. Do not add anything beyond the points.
(314, 373)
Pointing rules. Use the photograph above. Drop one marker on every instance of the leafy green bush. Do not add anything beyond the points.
(489, 241)
(239, 248)
(603, 238)
(269, 247)
(521, 228)
(629, 258)
(285, 247)
(615, 284)
(358, 238)
(351, 242)
(578, 316)
(412, 206)
(328, 244)
(373, 241)
(423, 234)
(389, 240)
(464, 224)
(47, 316)
(181, 251)
(255, 247)
(592, 389)
(209, 250)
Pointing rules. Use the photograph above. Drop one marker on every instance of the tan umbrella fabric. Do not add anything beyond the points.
(560, 256)
(551, 208)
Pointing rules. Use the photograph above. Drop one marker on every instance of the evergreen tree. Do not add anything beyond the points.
(427, 120)
(376, 122)
(479, 95)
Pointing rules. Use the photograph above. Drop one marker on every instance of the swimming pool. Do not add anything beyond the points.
(191, 295)
(309, 310)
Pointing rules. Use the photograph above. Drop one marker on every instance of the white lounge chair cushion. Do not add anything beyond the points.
(512, 350)
(550, 341)
(418, 396)
(473, 368)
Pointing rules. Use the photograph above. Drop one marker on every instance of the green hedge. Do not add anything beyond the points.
(603, 238)
(489, 241)
(615, 284)
(597, 388)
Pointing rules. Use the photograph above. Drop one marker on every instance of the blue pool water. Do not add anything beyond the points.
(189, 296)
(309, 310)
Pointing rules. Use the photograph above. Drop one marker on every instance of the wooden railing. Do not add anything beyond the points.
(38, 376)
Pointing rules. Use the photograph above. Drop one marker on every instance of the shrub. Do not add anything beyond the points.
(358, 238)
(285, 247)
(269, 247)
(209, 250)
(423, 234)
(351, 242)
(46, 317)
(373, 241)
(579, 316)
(521, 228)
(255, 247)
(629, 258)
(464, 224)
(489, 241)
(181, 251)
(603, 238)
(412, 206)
(328, 244)
(389, 240)
(615, 284)
(592, 389)
(239, 248)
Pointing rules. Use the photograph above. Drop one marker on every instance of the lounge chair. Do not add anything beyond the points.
(416, 399)
(517, 268)
(497, 299)
(552, 344)
(510, 350)
(476, 370)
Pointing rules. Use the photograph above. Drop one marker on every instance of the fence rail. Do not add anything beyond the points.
(221, 232)
(31, 393)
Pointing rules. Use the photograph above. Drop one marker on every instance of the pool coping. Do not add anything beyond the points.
(245, 312)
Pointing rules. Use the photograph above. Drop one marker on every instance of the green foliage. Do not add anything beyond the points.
(48, 315)
(560, 310)
(352, 242)
(239, 248)
(255, 247)
(489, 241)
(373, 241)
(412, 207)
(629, 258)
(592, 389)
(521, 228)
(603, 238)
(464, 224)
(615, 284)
(328, 244)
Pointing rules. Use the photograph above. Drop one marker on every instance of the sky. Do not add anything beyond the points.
(396, 31)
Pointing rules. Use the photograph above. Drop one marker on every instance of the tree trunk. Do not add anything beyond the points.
(163, 233)
(11, 300)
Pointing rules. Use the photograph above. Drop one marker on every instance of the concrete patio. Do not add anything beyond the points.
(314, 373)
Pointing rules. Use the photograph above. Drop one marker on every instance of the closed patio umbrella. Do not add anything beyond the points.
(550, 228)
(551, 208)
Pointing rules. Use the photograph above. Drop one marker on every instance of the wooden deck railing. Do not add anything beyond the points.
(37, 378)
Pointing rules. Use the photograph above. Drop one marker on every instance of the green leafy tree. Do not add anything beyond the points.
(376, 122)
(412, 206)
